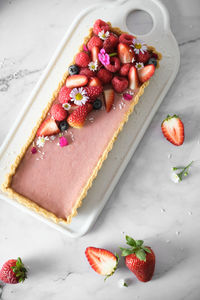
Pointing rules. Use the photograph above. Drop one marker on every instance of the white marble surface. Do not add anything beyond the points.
(145, 204)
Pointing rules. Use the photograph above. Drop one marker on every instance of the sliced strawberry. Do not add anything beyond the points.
(94, 81)
(93, 91)
(109, 96)
(133, 78)
(76, 81)
(77, 118)
(173, 130)
(102, 261)
(94, 53)
(125, 53)
(48, 127)
(146, 73)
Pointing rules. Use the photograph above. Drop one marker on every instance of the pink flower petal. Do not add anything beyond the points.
(104, 57)
(127, 96)
(63, 141)
(85, 48)
(33, 150)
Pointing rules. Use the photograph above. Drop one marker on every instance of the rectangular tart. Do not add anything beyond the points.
(57, 165)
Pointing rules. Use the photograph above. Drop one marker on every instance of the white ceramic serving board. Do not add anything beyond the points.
(161, 37)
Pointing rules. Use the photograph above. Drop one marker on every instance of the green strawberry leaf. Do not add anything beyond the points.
(139, 243)
(126, 252)
(130, 241)
(141, 254)
(146, 249)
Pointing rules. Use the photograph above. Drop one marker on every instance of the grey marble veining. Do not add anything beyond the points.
(145, 203)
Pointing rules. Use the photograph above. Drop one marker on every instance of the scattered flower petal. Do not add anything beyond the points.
(127, 96)
(33, 150)
(138, 46)
(103, 35)
(63, 141)
(93, 65)
(79, 96)
(41, 141)
(139, 65)
(66, 106)
(85, 48)
(175, 178)
(104, 57)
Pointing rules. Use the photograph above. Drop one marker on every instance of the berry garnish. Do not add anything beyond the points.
(63, 125)
(94, 41)
(173, 130)
(146, 73)
(58, 112)
(124, 69)
(119, 84)
(109, 97)
(114, 65)
(13, 271)
(64, 95)
(48, 127)
(76, 81)
(143, 56)
(139, 259)
(152, 61)
(100, 25)
(125, 53)
(133, 78)
(93, 91)
(82, 59)
(63, 141)
(126, 38)
(33, 150)
(73, 70)
(94, 81)
(87, 72)
(110, 43)
(104, 75)
(102, 261)
(77, 118)
(97, 104)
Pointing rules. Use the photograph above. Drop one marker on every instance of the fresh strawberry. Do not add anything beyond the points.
(146, 73)
(133, 78)
(139, 259)
(82, 59)
(100, 25)
(77, 118)
(87, 72)
(110, 43)
(143, 57)
(126, 38)
(114, 65)
(124, 69)
(102, 261)
(94, 81)
(109, 97)
(93, 91)
(95, 41)
(13, 271)
(94, 53)
(58, 112)
(48, 127)
(125, 53)
(76, 81)
(173, 130)
(64, 95)
(104, 75)
(119, 84)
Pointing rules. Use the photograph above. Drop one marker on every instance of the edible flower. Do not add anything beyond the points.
(104, 57)
(66, 106)
(93, 65)
(41, 141)
(33, 150)
(139, 65)
(138, 46)
(177, 177)
(103, 35)
(127, 96)
(63, 141)
(79, 96)
(85, 48)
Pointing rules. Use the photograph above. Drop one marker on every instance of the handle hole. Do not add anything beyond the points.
(139, 22)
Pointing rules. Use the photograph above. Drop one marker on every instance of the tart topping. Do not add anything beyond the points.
(104, 75)
(103, 35)
(76, 81)
(58, 112)
(119, 84)
(94, 41)
(100, 25)
(114, 65)
(34, 150)
(66, 106)
(79, 96)
(87, 72)
(95, 54)
(143, 56)
(138, 46)
(93, 91)
(125, 53)
(77, 117)
(63, 125)
(104, 57)
(63, 141)
(97, 104)
(110, 43)
(127, 96)
(93, 65)
(152, 61)
(109, 96)
(139, 65)
(126, 38)
(94, 81)
(41, 141)
(48, 127)
(64, 95)
(73, 70)
(82, 59)
(146, 73)
(133, 78)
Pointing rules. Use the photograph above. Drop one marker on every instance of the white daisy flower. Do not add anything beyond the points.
(139, 46)
(79, 96)
(139, 65)
(103, 35)
(41, 141)
(174, 177)
(93, 65)
(66, 106)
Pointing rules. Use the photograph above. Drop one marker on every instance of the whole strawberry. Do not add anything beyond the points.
(139, 259)
(13, 271)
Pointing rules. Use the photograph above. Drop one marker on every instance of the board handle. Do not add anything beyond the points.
(158, 12)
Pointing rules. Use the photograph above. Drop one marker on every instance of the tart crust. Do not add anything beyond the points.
(6, 186)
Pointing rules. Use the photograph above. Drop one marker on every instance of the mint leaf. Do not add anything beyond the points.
(141, 254)
(130, 241)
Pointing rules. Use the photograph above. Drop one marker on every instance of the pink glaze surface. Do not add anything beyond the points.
(55, 176)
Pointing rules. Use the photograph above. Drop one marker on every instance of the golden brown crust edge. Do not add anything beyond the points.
(6, 186)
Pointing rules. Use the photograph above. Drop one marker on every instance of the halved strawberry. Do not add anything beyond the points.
(102, 261)
(173, 130)
(125, 53)
(94, 53)
(76, 81)
(109, 96)
(77, 118)
(133, 78)
(94, 81)
(146, 73)
(48, 127)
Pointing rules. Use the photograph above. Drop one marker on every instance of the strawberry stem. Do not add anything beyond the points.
(184, 171)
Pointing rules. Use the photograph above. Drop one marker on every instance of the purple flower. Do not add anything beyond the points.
(104, 57)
